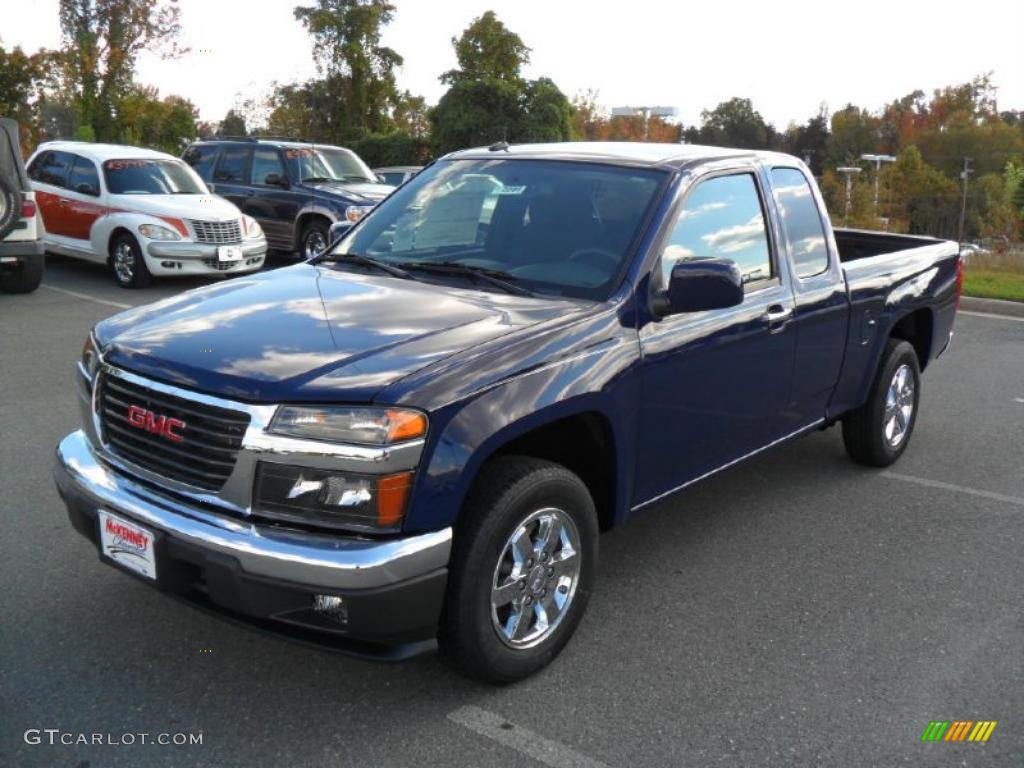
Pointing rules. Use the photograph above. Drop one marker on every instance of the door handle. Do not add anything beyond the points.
(777, 316)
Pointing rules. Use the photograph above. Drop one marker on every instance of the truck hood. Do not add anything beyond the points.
(311, 333)
(205, 207)
(358, 192)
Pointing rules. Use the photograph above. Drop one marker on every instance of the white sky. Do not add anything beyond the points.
(786, 56)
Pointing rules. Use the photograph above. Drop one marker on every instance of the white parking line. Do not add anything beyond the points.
(87, 297)
(952, 487)
(527, 742)
(990, 315)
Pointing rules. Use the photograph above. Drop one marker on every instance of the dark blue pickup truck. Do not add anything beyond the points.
(418, 435)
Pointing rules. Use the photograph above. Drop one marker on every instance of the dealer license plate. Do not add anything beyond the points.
(129, 545)
(229, 253)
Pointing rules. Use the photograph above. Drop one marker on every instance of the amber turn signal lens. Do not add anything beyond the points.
(392, 492)
(405, 425)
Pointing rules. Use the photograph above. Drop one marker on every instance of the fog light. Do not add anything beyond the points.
(331, 606)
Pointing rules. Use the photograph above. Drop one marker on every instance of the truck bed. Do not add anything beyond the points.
(857, 244)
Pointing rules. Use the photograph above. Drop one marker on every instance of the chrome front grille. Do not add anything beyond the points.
(211, 437)
(217, 232)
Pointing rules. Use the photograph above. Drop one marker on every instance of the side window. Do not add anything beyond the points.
(722, 218)
(84, 179)
(801, 221)
(266, 161)
(233, 164)
(201, 157)
(53, 168)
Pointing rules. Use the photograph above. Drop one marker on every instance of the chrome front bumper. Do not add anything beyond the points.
(188, 250)
(330, 562)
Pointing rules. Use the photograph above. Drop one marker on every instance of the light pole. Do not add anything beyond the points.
(878, 160)
(646, 113)
(965, 174)
(849, 172)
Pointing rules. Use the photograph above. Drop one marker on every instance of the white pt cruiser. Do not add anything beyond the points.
(143, 212)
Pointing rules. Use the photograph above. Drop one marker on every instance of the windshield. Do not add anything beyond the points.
(326, 164)
(140, 176)
(559, 228)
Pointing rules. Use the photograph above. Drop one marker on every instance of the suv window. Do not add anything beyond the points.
(722, 218)
(51, 168)
(265, 161)
(801, 221)
(233, 163)
(201, 157)
(84, 179)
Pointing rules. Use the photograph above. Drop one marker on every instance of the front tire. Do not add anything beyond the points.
(877, 433)
(315, 238)
(522, 570)
(127, 262)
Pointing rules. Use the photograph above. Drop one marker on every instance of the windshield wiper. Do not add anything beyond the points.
(367, 261)
(493, 277)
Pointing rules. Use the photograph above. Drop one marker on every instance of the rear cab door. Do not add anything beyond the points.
(821, 302)
(274, 206)
(715, 382)
(231, 173)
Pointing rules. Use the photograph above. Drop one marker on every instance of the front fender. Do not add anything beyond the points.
(105, 226)
(597, 380)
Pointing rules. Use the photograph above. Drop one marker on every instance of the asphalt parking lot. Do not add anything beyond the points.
(795, 610)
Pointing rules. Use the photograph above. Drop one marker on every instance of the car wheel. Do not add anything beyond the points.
(130, 270)
(523, 566)
(315, 238)
(10, 206)
(877, 433)
(24, 279)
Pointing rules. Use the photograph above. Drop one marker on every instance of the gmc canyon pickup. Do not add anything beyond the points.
(414, 439)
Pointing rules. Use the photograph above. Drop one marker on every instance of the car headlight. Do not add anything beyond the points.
(355, 212)
(90, 358)
(331, 499)
(363, 426)
(156, 232)
(251, 227)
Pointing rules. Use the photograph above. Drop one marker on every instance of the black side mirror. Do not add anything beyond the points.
(87, 189)
(381, 178)
(697, 285)
(275, 180)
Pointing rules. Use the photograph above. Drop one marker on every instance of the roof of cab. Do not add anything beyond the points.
(101, 152)
(614, 152)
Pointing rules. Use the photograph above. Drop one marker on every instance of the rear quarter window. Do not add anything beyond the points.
(801, 222)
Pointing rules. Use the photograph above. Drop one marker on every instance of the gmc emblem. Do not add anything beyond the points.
(140, 418)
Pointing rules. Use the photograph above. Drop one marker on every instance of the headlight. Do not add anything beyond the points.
(373, 503)
(251, 227)
(355, 212)
(364, 426)
(156, 232)
(90, 358)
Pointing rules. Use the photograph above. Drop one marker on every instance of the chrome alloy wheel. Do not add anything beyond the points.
(124, 262)
(535, 579)
(899, 406)
(316, 243)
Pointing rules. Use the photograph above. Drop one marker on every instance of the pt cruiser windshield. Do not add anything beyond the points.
(560, 228)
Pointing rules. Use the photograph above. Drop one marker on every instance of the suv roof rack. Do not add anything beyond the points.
(230, 138)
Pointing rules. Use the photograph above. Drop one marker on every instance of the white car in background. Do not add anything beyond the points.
(144, 213)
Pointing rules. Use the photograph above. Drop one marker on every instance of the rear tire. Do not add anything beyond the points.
(127, 262)
(877, 433)
(522, 569)
(25, 279)
(10, 206)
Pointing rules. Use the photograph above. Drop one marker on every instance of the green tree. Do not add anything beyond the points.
(233, 124)
(489, 100)
(360, 70)
(735, 123)
(808, 141)
(922, 199)
(102, 39)
(145, 119)
(488, 50)
(21, 83)
(854, 133)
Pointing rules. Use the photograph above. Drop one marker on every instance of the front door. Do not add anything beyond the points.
(715, 382)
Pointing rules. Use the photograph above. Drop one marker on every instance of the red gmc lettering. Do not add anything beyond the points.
(140, 418)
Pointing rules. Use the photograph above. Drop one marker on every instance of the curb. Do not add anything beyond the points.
(992, 306)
